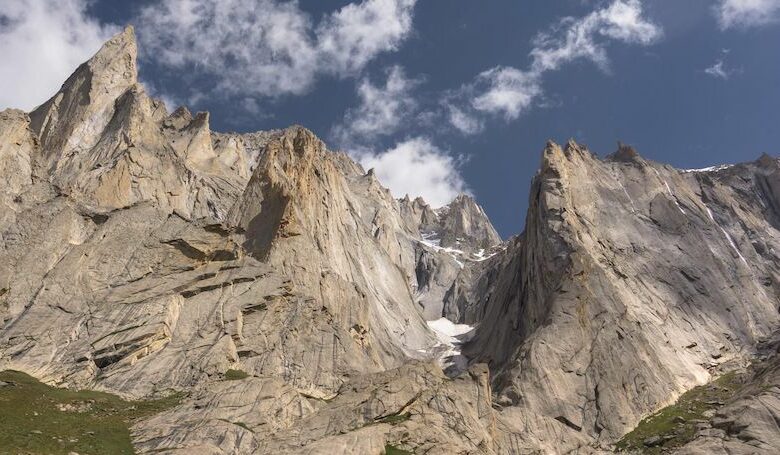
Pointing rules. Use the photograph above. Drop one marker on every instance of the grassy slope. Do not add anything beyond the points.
(678, 420)
(36, 418)
(393, 450)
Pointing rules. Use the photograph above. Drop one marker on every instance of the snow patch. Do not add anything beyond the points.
(451, 336)
(669, 190)
(480, 256)
(728, 237)
(627, 195)
(431, 240)
(447, 330)
(719, 167)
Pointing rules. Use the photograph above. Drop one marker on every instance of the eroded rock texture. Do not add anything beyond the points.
(142, 253)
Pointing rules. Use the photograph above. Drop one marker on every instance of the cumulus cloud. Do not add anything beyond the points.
(381, 109)
(747, 13)
(417, 167)
(509, 91)
(351, 37)
(41, 43)
(271, 47)
(506, 90)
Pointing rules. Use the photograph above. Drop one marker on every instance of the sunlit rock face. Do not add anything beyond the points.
(632, 282)
(142, 253)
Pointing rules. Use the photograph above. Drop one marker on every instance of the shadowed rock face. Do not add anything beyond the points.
(142, 253)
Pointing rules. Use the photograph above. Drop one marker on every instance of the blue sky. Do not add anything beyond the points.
(440, 96)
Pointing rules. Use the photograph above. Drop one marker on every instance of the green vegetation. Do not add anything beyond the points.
(324, 400)
(392, 419)
(37, 418)
(395, 419)
(393, 450)
(676, 424)
(240, 424)
(235, 375)
(244, 426)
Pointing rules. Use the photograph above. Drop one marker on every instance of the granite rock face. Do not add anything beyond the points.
(632, 282)
(142, 254)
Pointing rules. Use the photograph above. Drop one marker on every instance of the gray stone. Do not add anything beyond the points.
(653, 441)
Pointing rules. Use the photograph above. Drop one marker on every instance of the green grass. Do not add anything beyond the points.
(37, 418)
(690, 406)
(393, 450)
(235, 375)
(395, 419)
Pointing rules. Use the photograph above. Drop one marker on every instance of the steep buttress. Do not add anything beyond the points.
(632, 282)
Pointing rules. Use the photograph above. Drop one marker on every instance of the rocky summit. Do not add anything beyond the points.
(292, 305)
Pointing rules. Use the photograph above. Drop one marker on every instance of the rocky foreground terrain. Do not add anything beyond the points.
(297, 307)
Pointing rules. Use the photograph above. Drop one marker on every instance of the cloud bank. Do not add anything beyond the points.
(272, 47)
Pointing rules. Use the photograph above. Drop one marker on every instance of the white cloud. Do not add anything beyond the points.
(41, 43)
(747, 13)
(354, 35)
(463, 122)
(417, 167)
(623, 21)
(586, 37)
(718, 70)
(506, 90)
(271, 47)
(381, 111)
(509, 91)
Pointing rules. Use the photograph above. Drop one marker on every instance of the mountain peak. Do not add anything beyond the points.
(767, 161)
(120, 54)
(74, 117)
(114, 64)
(464, 222)
(625, 153)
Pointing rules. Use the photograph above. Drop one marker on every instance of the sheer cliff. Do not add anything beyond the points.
(632, 283)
